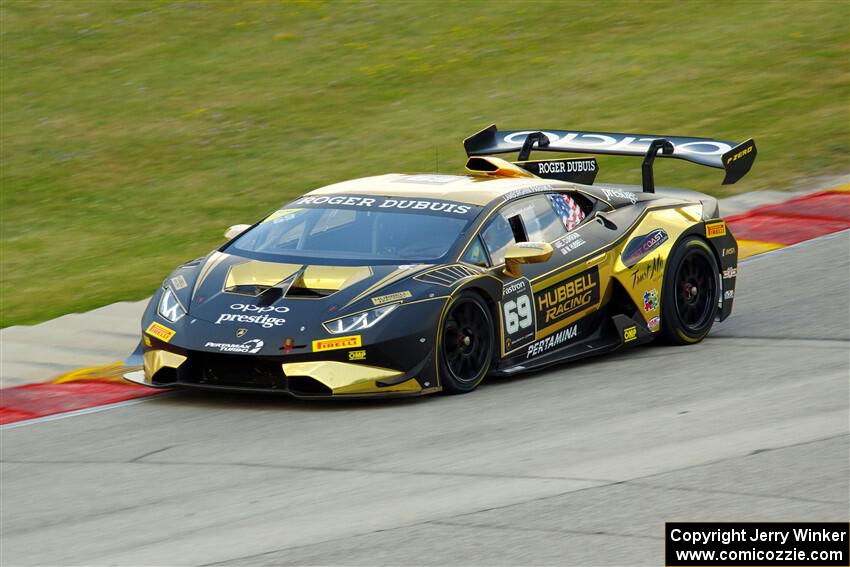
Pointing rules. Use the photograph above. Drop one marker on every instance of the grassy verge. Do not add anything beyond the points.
(133, 133)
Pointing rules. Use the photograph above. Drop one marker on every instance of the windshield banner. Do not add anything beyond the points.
(388, 204)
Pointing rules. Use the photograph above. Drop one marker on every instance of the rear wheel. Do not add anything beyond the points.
(466, 347)
(690, 292)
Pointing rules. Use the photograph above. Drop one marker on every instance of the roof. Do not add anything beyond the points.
(468, 189)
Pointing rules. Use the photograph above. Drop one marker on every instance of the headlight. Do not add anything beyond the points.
(362, 320)
(169, 307)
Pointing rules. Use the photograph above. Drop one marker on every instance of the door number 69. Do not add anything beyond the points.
(518, 314)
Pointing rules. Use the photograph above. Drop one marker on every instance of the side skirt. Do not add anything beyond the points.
(613, 334)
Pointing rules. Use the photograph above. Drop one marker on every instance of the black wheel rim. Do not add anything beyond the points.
(695, 290)
(466, 341)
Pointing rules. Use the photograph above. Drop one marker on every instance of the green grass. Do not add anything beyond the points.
(133, 133)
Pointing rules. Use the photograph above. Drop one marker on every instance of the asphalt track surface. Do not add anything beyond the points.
(580, 465)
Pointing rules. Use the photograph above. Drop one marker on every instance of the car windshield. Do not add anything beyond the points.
(374, 229)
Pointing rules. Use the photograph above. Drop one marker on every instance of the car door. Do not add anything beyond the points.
(550, 296)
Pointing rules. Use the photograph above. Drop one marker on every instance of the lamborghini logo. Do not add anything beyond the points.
(241, 333)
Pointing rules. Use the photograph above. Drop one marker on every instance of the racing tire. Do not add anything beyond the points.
(690, 293)
(466, 344)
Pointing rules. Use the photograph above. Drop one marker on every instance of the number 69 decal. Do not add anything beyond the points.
(517, 314)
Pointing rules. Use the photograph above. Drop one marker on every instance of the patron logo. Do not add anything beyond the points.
(160, 332)
(730, 273)
(515, 286)
(620, 143)
(715, 229)
(178, 282)
(569, 243)
(565, 298)
(650, 300)
(566, 166)
(264, 320)
(248, 347)
(389, 298)
(247, 308)
(552, 341)
(629, 334)
(241, 333)
(640, 246)
(385, 203)
(620, 194)
(729, 294)
(648, 271)
(653, 323)
(352, 341)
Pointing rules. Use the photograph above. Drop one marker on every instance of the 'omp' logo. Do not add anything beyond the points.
(629, 334)
(337, 343)
(715, 229)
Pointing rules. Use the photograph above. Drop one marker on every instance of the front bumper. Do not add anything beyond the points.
(304, 379)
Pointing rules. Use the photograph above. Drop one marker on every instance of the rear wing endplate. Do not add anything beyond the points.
(735, 159)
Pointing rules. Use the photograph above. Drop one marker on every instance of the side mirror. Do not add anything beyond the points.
(525, 253)
(235, 230)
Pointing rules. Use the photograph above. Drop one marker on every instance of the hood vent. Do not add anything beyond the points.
(255, 278)
(447, 275)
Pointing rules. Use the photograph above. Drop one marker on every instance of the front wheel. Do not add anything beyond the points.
(466, 347)
(690, 292)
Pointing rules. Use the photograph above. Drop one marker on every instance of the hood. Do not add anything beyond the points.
(234, 288)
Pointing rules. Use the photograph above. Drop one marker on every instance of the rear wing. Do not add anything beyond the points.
(735, 159)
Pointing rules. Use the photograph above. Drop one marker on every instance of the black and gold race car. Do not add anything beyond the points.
(413, 284)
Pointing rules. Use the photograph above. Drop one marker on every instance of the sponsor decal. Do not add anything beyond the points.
(552, 341)
(514, 286)
(729, 294)
(620, 194)
(357, 355)
(265, 320)
(567, 297)
(147, 340)
(569, 243)
(247, 308)
(387, 203)
(241, 333)
(653, 323)
(640, 246)
(618, 142)
(566, 166)
(647, 271)
(523, 191)
(650, 300)
(389, 298)
(160, 332)
(248, 347)
(517, 313)
(351, 341)
(715, 229)
(629, 334)
(727, 252)
(178, 282)
(730, 273)
(739, 155)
